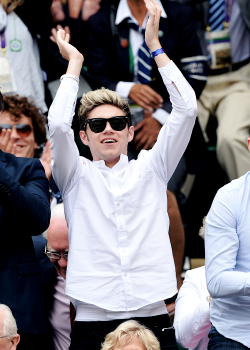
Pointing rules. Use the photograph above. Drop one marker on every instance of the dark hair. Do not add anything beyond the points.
(1, 102)
(17, 106)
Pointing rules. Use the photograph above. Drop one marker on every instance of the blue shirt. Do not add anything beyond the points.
(227, 246)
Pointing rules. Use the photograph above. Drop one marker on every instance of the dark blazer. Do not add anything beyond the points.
(108, 61)
(24, 211)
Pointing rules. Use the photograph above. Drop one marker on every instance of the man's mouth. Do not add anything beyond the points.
(109, 141)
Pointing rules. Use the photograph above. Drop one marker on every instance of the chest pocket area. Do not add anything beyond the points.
(143, 193)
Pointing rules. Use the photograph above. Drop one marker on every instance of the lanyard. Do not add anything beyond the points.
(3, 43)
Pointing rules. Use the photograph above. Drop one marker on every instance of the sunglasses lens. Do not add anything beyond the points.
(97, 125)
(23, 129)
(5, 126)
(118, 123)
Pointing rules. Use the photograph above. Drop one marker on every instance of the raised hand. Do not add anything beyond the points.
(6, 142)
(152, 28)
(54, 32)
(145, 96)
(67, 50)
(46, 160)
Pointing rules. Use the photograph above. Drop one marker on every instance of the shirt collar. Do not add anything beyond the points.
(124, 11)
(119, 165)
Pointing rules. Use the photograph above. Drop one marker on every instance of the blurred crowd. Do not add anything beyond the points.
(30, 71)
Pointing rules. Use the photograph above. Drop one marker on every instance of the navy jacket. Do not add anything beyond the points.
(24, 211)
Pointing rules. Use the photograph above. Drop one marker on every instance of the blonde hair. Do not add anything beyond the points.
(99, 97)
(10, 5)
(128, 331)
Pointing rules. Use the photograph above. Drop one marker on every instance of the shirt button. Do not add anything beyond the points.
(140, 176)
(121, 227)
(118, 204)
(125, 275)
(123, 251)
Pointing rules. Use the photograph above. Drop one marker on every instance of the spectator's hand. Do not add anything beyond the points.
(46, 160)
(56, 11)
(6, 143)
(148, 130)
(152, 28)
(54, 32)
(145, 96)
(67, 51)
(89, 8)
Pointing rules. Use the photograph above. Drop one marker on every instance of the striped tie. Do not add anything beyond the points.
(144, 57)
(216, 15)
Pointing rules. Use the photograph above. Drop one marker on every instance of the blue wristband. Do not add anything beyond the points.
(157, 52)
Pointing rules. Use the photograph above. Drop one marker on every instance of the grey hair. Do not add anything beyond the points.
(56, 212)
(9, 324)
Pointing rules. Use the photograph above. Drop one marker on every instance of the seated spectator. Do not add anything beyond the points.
(8, 329)
(131, 335)
(60, 312)
(19, 47)
(192, 315)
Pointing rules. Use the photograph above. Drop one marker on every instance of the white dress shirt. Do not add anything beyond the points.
(227, 247)
(120, 257)
(192, 316)
(136, 40)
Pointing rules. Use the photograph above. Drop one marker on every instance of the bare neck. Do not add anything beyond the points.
(138, 10)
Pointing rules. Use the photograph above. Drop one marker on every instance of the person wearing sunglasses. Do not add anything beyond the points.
(120, 264)
(24, 212)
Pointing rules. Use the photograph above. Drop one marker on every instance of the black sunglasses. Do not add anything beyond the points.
(99, 124)
(23, 130)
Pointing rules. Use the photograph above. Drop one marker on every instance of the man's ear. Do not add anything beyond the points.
(131, 132)
(84, 137)
(248, 143)
(14, 342)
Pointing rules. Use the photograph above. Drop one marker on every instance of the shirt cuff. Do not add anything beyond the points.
(69, 86)
(161, 115)
(123, 88)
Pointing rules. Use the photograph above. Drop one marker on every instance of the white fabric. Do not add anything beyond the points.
(87, 312)
(117, 218)
(25, 64)
(192, 316)
(59, 316)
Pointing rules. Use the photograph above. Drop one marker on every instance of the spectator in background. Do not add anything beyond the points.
(20, 61)
(131, 335)
(116, 60)
(56, 248)
(22, 131)
(227, 93)
(9, 338)
(24, 211)
(227, 263)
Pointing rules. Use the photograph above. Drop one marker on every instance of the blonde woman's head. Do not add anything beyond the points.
(131, 334)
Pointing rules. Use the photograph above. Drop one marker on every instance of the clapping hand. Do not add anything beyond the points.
(46, 160)
(7, 144)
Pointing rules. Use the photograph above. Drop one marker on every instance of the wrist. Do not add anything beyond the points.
(155, 46)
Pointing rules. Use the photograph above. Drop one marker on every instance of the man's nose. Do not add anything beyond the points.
(62, 262)
(14, 134)
(108, 128)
